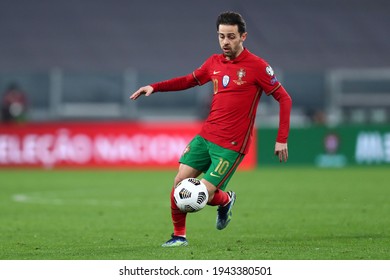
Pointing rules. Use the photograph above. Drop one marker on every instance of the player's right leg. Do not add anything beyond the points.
(176, 241)
(193, 162)
(179, 217)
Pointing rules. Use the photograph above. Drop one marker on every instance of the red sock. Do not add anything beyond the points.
(178, 218)
(220, 198)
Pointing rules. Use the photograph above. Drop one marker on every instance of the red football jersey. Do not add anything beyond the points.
(238, 86)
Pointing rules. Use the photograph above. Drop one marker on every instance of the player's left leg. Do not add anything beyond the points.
(224, 212)
(225, 202)
(224, 164)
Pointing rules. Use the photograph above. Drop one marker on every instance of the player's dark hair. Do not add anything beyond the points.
(232, 18)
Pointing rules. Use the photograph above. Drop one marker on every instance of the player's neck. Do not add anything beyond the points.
(237, 54)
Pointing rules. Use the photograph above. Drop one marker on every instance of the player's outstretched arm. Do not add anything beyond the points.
(285, 104)
(147, 90)
(281, 151)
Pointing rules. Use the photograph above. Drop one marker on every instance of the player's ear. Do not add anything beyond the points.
(243, 36)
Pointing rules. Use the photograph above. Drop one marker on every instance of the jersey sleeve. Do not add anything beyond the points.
(202, 74)
(199, 77)
(285, 104)
(267, 79)
(175, 84)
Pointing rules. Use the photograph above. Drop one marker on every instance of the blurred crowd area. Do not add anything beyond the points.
(78, 60)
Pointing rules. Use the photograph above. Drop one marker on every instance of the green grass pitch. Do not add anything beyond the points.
(281, 213)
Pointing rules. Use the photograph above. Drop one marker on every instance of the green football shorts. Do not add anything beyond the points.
(218, 164)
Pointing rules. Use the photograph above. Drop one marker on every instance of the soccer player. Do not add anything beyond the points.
(239, 78)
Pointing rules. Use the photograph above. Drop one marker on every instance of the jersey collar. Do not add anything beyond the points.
(241, 57)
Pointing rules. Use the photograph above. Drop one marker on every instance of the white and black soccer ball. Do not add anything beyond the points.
(191, 195)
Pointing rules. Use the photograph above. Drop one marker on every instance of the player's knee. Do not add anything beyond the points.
(178, 179)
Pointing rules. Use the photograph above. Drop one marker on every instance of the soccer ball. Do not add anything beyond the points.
(191, 195)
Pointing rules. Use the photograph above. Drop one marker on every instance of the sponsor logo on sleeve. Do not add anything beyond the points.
(269, 71)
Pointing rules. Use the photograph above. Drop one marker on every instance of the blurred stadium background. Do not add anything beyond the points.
(80, 60)
(77, 62)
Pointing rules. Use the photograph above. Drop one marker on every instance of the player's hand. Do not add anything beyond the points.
(281, 151)
(147, 90)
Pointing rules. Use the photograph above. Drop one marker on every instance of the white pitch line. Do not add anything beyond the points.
(24, 198)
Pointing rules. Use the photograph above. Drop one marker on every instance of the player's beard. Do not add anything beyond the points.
(228, 52)
(231, 52)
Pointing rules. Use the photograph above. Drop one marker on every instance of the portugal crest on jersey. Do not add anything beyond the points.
(240, 74)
